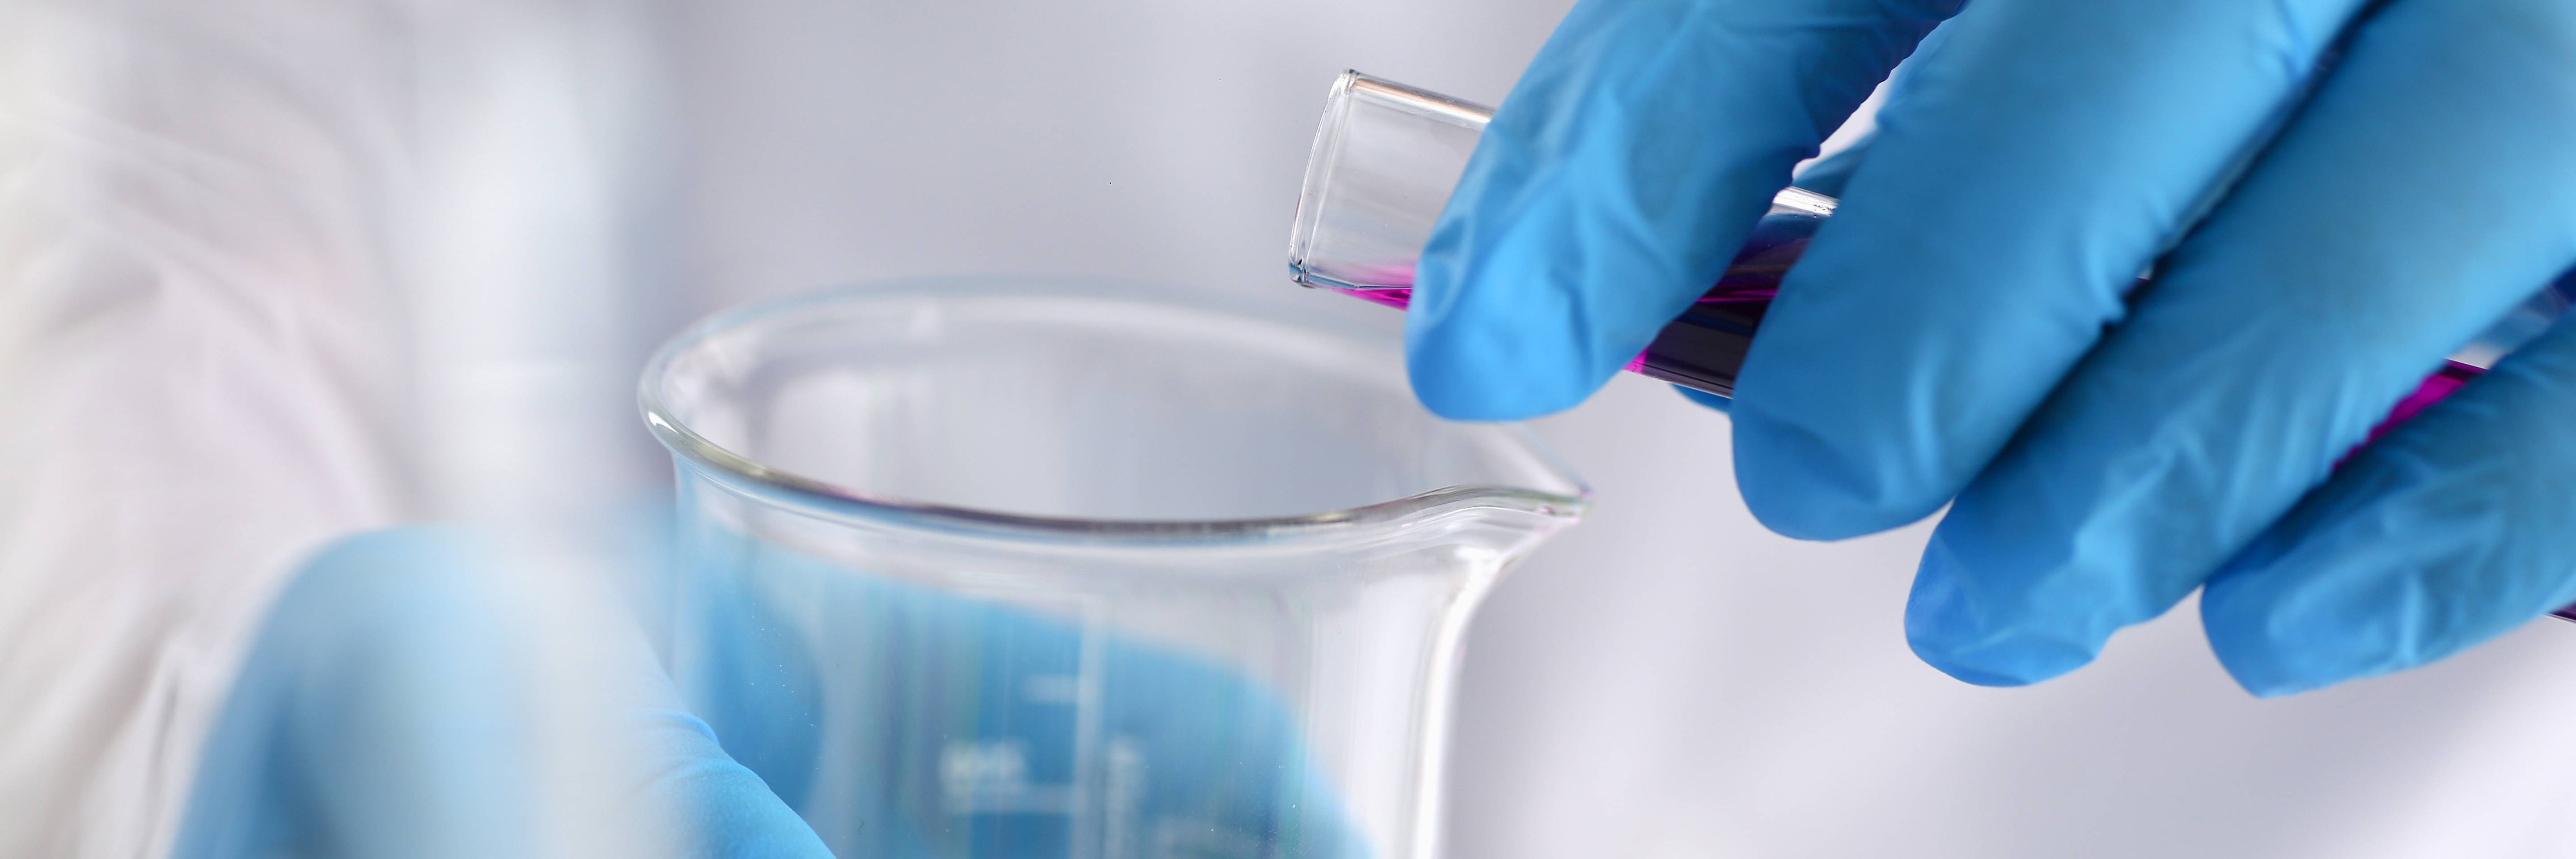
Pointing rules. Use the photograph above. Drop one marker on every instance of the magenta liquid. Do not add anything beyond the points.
(1703, 349)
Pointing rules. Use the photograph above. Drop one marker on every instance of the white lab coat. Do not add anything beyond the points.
(274, 271)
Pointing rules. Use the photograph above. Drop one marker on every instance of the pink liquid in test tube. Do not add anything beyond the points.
(1703, 349)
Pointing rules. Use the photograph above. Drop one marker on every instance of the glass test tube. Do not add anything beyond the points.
(1387, 156)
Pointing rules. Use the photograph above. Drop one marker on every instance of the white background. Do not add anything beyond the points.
(467, 219)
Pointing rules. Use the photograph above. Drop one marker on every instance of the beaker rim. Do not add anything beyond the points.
(742, 474)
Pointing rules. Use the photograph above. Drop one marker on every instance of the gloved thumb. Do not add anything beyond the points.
(435, 692)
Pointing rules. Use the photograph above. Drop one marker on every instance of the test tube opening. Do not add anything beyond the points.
(1384, 160)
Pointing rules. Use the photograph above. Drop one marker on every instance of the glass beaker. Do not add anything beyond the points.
(1061, 568)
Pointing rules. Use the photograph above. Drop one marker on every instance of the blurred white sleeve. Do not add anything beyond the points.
(270, 272)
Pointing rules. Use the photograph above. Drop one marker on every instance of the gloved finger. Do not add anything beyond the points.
(1620, 176)
(374, 713)
(2420, 195)
(723, 808)
(2444, 533)
(725, 795)
(2035, 159)
(394, 704)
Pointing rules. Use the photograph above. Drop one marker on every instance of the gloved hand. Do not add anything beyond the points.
(1964, 326)
(439, 692)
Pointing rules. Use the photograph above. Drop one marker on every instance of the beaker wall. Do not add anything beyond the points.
(1052, 568)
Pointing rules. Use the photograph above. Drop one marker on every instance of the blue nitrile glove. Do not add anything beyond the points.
(1964, 326)
(393, 707)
